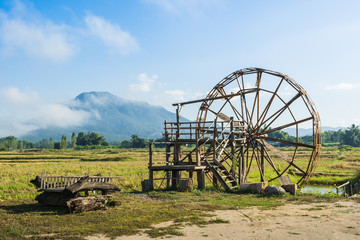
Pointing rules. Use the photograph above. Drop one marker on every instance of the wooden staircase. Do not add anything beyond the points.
(222, 175)
(216, 166)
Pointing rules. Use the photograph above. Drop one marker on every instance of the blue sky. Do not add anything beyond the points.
(163, 51)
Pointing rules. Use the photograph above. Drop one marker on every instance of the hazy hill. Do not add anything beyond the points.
(309, 131)
(113, 117)
(117, 119)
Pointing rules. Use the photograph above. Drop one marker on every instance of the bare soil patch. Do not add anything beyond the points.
(338, 220)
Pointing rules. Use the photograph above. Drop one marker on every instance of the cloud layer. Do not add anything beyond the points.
(111, 34)
(192, 7)
(25, 111)
(23, 29)
(34, 36)
(343, 86)
(145, 83)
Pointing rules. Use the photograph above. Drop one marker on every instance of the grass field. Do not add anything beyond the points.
(21, 216)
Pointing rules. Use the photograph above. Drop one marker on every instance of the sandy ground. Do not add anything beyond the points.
(340, 220)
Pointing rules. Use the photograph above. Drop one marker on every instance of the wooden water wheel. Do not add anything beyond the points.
(269, 104)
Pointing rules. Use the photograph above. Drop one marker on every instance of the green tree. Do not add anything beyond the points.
(21, 145)
(57, 145)
(91, 139)
(51, 144)
(137, 142)
(125, 144)
(351, 136)
(44, 143)
(73, 140)
(10, 142)
(64, 142)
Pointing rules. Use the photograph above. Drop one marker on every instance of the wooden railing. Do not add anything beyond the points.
(194, 130)
(347, 188)
(58, 182)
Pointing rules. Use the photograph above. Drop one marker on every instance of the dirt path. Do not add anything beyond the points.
(340, 220)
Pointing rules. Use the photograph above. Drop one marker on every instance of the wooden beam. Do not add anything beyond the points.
(241, 92)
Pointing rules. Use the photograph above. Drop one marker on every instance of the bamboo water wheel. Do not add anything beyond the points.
(269, 104)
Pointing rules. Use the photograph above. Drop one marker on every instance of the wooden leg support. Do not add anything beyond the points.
(201, 179)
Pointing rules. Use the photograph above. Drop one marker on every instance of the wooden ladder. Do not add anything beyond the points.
(222, 175)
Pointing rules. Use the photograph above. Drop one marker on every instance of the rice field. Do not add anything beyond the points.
(19, 167)
(22, 217)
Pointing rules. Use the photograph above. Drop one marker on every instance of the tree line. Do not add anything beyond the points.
(92, 140)
(349, 136)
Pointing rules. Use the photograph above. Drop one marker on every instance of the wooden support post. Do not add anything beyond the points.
(201, 179)
(214, 179)
(215, 138)
(167, 150)
(241, 166)
(190, 162)
(262, 164)
(197, 151)
(177, 149)
(232, 146)
(174, 178)
(151, 173)
(350, 190)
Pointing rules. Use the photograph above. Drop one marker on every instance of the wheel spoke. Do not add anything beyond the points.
(244, 99)
(258, 161)
(249, 166)
(263, 115)
(268, 158)
(286, 125)
(287, 142)
(258, 83)
(281, 110)
(253, 107)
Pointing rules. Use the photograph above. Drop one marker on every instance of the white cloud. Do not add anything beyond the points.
(177, 94)
(24, 29)
(145, 84)
(199, 95)
(59, 115)
(193, 7)
(111, 34)
(34, 35)
(343, 86)
(12, 96)
(24, 111)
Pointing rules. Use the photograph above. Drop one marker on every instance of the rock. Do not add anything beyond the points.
(291, 188)
(82, 204)
(253, 187)
(275, 190)
(355, 196)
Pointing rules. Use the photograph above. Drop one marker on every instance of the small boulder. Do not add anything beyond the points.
(355, 196)
(253, 187)
(275, 190)
(291, 188)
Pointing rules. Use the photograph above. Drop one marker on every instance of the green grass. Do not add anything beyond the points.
(24, 218)
(21, 216)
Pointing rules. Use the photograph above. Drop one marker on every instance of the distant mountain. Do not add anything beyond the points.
(308, 131)
(117, 119)
(113, 117)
